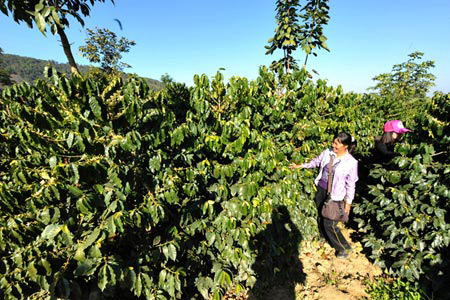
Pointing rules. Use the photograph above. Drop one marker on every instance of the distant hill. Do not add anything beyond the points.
(29, 69)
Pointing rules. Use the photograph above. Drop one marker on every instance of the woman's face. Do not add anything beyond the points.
(396, 136)
(338, 147)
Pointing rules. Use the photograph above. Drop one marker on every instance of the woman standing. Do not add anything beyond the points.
(345, 175)
(384, 145)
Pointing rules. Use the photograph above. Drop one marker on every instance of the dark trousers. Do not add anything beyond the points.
(328, 229)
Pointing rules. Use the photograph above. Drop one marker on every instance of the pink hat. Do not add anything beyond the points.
(395, 126)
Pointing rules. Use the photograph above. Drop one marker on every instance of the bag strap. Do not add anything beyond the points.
(330, 184)
(330, 174)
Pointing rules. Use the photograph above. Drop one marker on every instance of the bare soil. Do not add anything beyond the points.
(326, 277)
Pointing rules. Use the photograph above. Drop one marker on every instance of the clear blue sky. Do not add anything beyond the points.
(183, 38)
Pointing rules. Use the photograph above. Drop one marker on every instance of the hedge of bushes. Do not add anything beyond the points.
(111, 190)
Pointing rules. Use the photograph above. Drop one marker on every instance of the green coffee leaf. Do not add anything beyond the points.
(69, 140)
(51, 231)
(31, 271)
(40, 21)
(95, 107)
(172, 252)
(87, 267)
(53, 161)
(92, 238)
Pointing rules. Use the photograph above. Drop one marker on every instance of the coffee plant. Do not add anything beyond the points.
(405, 214)
(110, 190)
(395, 290)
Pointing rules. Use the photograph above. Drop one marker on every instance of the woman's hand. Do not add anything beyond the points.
(294, 166)
(347, 208)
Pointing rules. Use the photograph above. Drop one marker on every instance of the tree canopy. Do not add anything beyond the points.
(53, 13)
(289, 33)
(104, 47)
(407, 84)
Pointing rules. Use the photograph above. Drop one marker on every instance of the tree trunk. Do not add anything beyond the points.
(306, 60)
(66, 46)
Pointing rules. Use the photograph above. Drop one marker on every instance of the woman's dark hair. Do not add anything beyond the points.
(387, 138)
(346, 139)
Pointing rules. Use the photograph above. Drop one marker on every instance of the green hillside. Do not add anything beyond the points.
(29, 69)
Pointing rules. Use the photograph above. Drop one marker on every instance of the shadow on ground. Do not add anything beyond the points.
(277, 267)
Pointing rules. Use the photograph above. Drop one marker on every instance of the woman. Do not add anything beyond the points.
(384, 145)
(345, 175)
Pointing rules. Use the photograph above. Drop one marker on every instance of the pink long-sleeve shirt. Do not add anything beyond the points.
(345, 175)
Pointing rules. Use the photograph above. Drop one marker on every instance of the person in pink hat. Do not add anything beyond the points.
(384, 145)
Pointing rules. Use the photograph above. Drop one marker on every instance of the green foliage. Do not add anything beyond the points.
(405, 88)
(315, 16)
(405, 213)
(53, 14)
(101, 179)
(166, 79)
(397, 289)
(5, 75)
(43, 13)
(103, 46)
(434, 126)
(289, 34)
(111, 190)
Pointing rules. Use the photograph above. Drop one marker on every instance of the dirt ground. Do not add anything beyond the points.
(326, 277)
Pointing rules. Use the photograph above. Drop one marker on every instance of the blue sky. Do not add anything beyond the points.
(183, 38)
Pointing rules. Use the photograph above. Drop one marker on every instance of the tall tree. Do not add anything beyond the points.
(289, 33)
(103, 46)
(166, 79)
(406, 86)
(53, 13)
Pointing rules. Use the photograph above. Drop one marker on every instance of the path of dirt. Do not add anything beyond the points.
(330, 278)
(327, 277)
